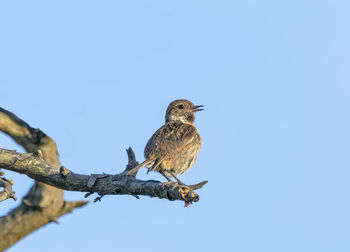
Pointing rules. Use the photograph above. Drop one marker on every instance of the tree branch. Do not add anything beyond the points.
(43, 203)
(103, 184)
(7, 192)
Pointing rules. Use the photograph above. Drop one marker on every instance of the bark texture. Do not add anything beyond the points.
(37, 168)
(7, 192)
(43, 203)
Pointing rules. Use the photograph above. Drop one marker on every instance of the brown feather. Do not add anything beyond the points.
(136, 168)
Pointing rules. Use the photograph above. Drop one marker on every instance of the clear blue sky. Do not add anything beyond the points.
(97, 77)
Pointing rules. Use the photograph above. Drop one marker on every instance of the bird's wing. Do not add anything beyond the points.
(170, 138)
(167, 140)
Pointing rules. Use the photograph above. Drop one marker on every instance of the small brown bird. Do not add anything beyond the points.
(173, 149)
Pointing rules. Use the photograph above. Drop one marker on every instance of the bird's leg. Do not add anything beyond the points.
(169, 180)
(178, 180)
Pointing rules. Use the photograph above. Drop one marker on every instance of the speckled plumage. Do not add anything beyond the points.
(174, 147)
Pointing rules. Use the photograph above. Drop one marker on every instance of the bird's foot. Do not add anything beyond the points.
(178, 180)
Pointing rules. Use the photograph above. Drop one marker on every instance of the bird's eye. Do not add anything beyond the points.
(181, 106)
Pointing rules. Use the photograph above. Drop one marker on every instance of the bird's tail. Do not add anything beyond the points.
(136, 168)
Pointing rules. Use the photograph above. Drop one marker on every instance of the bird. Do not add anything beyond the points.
(174, 147)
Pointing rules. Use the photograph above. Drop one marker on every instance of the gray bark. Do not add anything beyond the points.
(104, 184)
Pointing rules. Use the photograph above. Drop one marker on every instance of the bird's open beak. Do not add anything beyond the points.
(198, 108)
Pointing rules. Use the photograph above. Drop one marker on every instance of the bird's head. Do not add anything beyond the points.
(182, 110)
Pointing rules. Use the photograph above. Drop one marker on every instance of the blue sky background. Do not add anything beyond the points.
(97, 77)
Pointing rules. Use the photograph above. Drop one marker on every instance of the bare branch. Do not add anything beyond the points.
(7, 192)
(103, 184)
(131, 161)
(29, 138)
(27, 218)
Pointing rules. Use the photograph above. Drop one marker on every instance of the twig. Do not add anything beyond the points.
(7, 192)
